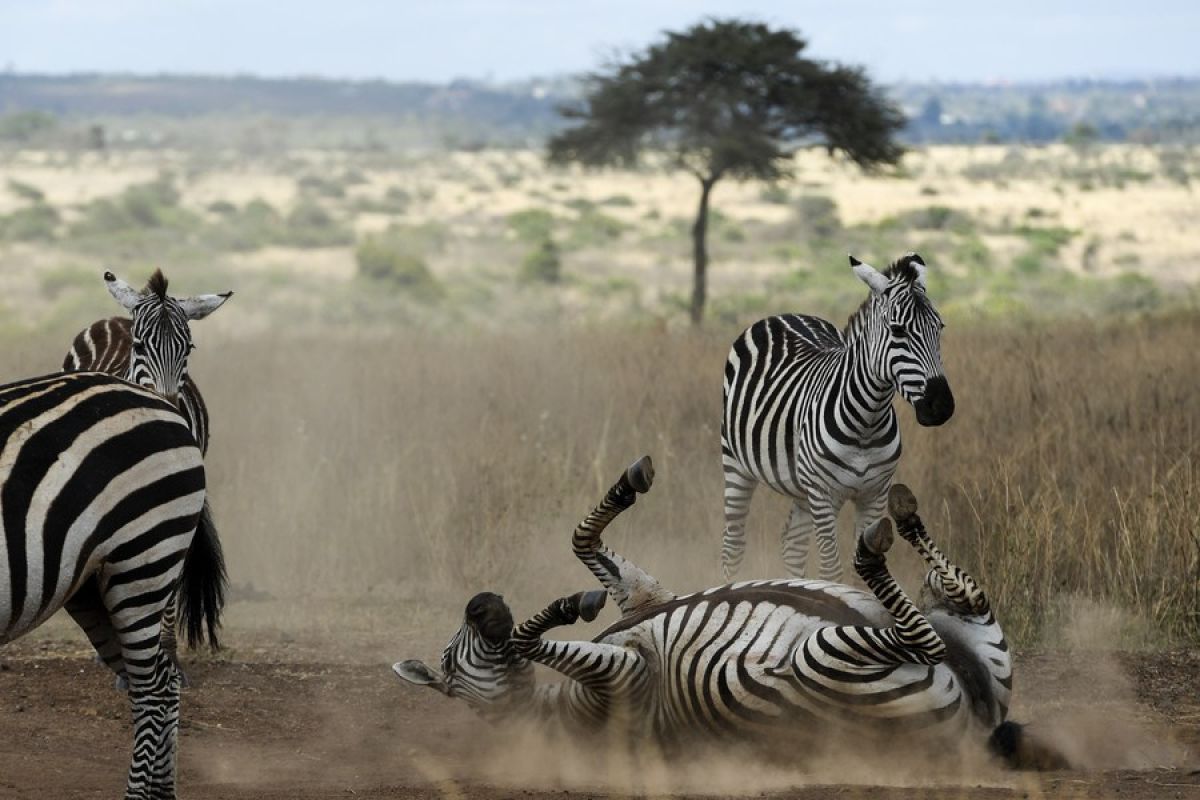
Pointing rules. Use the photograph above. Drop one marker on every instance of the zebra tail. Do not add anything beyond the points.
(1021, 751)
(202, 587)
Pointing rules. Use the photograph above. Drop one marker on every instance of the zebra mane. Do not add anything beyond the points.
(157, 284)
(904, 268)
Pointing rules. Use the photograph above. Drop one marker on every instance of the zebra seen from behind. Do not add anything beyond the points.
(150, 348)
(757, 661)
(808, 411)
(101, 492)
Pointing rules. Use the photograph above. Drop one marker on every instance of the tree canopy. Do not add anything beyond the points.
(727, 98)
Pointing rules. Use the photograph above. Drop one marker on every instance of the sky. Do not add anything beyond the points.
(440, 40)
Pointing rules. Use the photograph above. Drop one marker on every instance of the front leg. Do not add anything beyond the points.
(603, 676)
(824, 516)
(861, 652)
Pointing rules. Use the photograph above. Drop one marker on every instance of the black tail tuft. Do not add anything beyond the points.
(202, 587)
(1010, 742)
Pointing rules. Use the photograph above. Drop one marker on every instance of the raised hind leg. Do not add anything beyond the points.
(797, 538)
(841, 659)
(739, 491)
(944, 579)
(630, 586)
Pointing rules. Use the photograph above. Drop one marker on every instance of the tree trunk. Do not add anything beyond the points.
(700, 252)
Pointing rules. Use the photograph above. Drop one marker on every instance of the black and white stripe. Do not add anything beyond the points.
(101, 491)
(106, 345)
(756, 660)
(808, 412)
(151, 348)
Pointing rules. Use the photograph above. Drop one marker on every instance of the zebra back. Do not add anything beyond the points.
(105, 346)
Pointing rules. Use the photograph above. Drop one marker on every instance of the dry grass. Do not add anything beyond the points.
(389, 476)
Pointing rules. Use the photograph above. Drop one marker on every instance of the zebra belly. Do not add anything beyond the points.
(722, 658)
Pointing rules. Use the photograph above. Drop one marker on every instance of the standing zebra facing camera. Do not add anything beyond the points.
(101, 492)
(765, 662)
(150, 348)
(808, 411)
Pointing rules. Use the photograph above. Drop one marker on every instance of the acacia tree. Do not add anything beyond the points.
(726, 98)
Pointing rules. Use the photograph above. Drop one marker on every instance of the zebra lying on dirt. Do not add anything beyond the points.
(755, 661)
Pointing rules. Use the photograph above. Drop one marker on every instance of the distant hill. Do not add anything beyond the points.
(468, 113)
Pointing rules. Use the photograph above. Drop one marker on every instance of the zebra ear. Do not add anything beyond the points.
(122, 292)
(869, 275)
(202, 305)
(417, 672)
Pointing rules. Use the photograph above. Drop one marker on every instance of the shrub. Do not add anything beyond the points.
(37, 222)
(543, 264)
(310, 225)
(381, 258)
(930, 218)
(595, 228)
(622, 200)
(26, 192)
(775, 193)
(817, 216)
(142, 206)
(532, 224)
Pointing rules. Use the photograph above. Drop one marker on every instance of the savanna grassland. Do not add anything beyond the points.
(435, 364)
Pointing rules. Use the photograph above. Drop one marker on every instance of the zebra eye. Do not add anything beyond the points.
(138, 347)
(898, 330)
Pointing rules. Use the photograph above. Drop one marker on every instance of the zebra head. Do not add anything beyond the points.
(479, 664)
(906, 333)
(162, 340)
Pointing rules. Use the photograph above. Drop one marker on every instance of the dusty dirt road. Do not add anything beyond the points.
(306, 729)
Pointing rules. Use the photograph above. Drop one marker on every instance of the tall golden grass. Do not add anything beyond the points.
(406, 471)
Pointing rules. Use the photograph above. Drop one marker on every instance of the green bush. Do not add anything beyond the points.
(38, 222)
(817, 217)
(381, 258)
(1046, 241)
(593, 228)
(310, 225)
(24, 126)
(930, 218)
(324, 187)
(152, 205)
(775, 193)
(617, 200)
(543, 264)
(26, 192)
(533, 224)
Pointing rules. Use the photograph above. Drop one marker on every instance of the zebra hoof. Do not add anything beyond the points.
(641, 475)
(902, 503)
(590, 604)
(877, 538)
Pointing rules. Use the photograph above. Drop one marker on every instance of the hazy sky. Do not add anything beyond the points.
(442, 39)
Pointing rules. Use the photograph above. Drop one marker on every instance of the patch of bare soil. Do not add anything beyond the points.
(315, 730)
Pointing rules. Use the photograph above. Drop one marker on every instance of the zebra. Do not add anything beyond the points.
(101, 492)
(808, 411)
(758, 661)
(152, 348)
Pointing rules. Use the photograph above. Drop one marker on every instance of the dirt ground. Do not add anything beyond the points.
(303, 728)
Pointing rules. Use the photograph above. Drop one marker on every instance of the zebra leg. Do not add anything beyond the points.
(797, 538)
(137, 609)
(603, 675)
(630, 586)
(739, 490)
(87, 609)
(169, 641)
(860, 651)
(824, 516)
(951, 580)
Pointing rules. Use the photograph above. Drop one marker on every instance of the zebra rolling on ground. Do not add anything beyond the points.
(808, 412)
(757, 661)
(101, 491)
(152, 347)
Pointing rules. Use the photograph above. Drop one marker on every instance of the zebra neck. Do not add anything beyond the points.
(867, 391)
